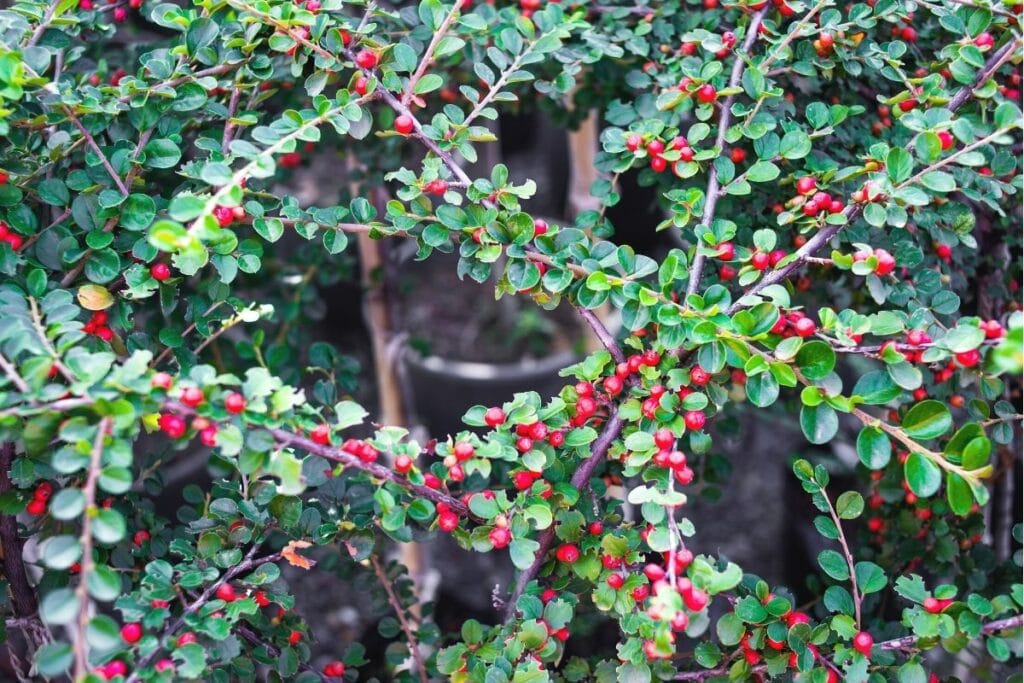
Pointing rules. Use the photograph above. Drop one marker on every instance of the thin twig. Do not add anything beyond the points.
(580, 480)
(846, 554)
(825, 234)
(724, 120)
(115, 176)
(248, 563)
(12, 374)
(403, 619)
(85, 541)
(428, 54)
(606, 337)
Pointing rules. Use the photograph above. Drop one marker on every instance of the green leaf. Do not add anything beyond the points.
(849, 505)
(874, 448)
(522, 550)
(834, 564)
(923, 476)
(816, 359)
(795, 145)
(870, 577)
(819, 423)
(958, 493)
(927, 420)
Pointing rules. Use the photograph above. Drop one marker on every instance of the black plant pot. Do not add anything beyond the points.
(444, 389)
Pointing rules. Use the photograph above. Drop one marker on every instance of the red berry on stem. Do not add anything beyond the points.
(131, 633)
(707, 93)
(367, 59)
(404, 124)
(321, 434)
(334, 669)
(234, 403)
(160, 271)
(567, 553)
(192, 396)
(494, 417)
(863, 642)
(226, 592)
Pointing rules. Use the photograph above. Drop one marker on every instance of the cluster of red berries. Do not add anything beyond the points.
(794, 323)
(815, 201)
(447, 521)
(462, 451)
(40, 498)
(885, 265)
(655, 148)
(120, 13)
(12, 238)
(226, 215)
(97, 325)
(824, 44)
(670, 458)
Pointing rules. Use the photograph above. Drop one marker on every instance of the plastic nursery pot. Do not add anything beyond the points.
(444, 389)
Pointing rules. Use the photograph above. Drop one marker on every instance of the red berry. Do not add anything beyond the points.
(186, 638)
(367, 59)
(131, 633)
(726, 251)
(43, 491)
(162, 380)
(707, 93)
(36, 507)
(863, 643)
(208, 435)
(612, 385)
(806, 185)
(494, 417)
(334, 669)
(984, 40)
(160, 271)
(140, 537)
(946, 139)
(172, 425)
(615, 581)
(500, 537)
(694, 420)
(805, 327)
(595, 528)
(886, 262)
(321, 434)
(234, 403)
(699, 376)
(968, 359)
(294, 637)
(192, 396)
(164, 665)
(447, 521)
(226, 592)
(404, 124)
(567, 553)
(760, 260)
(464, 451)
(664, 438)
(539, 227)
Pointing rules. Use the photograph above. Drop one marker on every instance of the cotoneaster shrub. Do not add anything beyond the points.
(844, 177)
